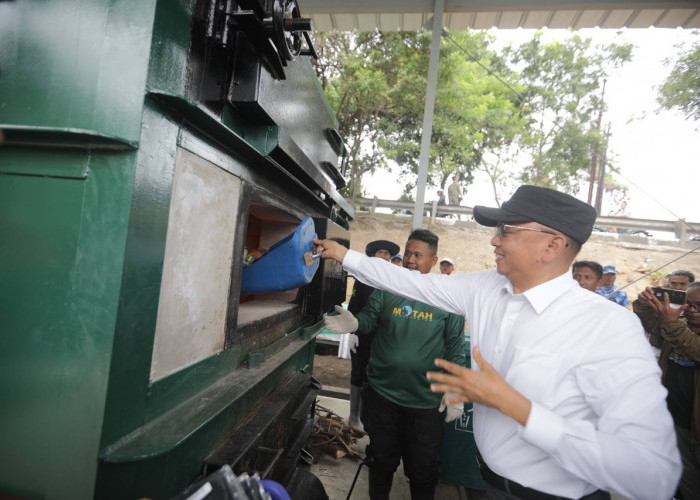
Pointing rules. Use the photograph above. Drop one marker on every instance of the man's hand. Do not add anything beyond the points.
(353, 342)
(330, 249)
(454, 411)
(344, 322)
(664, 310)
(485, 387)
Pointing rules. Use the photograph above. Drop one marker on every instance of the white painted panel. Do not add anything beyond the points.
(617, 18)
(322, 22)
(412, 21)
(510, 19)
(344, 22)
(366, 22)
(389, 21)
(461, 20)
(536, 19)
(646, 18)
(694, 22)
(485, 20)
(590, 19)
(194, 291)
(675, 18)
(562, 19)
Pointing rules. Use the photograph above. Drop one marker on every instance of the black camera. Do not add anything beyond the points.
(674, 296)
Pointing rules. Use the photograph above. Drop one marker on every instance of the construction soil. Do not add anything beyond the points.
(468, 245)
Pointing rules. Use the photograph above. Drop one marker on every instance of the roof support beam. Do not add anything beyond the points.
(427, 132)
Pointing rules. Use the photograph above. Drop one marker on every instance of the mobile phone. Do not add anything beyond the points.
(674, 296)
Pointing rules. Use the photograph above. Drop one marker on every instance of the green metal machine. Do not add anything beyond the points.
(148, 146)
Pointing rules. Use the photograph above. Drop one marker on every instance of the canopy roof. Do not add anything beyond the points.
(409, 15)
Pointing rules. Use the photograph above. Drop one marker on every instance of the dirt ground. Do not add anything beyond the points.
(331, 370)
(468, 245)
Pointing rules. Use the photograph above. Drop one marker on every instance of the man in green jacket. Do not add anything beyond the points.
(400, 413)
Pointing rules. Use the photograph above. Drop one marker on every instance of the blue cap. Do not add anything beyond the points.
(398, 255)
(609, 269)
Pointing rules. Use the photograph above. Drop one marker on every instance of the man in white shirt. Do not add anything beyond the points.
(567, 393)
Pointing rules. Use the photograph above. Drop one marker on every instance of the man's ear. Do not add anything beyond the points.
(557, 246)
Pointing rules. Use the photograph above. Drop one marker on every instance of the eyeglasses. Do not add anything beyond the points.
(502, 230)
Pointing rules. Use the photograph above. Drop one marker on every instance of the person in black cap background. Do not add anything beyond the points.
(567, 395)
(360, 351)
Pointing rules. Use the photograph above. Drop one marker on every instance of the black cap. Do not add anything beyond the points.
(551, 208)
(373, 246)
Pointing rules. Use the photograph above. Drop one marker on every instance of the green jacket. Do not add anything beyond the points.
(408, 336)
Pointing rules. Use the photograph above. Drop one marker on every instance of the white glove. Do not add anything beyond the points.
(344, 322)
(454, 411)
(353, 342)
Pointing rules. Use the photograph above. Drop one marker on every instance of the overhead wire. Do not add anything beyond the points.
(446, 34)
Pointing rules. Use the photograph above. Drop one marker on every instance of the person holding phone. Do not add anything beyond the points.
(677, 280)
(679, 328)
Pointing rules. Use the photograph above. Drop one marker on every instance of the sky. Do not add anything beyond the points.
(657, 152)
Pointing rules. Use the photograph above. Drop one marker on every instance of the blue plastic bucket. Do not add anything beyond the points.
(283, 267)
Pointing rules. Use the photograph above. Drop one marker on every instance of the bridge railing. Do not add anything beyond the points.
(680, 228)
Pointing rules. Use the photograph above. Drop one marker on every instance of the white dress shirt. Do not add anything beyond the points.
(598, 417)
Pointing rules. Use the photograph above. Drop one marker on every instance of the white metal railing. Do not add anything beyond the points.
(680, 228)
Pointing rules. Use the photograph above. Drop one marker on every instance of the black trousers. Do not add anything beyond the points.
(398, 432)
(359, 361)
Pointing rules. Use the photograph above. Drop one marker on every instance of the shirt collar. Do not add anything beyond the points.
(541, 296)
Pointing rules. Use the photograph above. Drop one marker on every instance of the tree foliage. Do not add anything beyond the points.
(682, 86)
(534, 108)
(563, 93)
(376, 83)
(474, 111)
(359, 75)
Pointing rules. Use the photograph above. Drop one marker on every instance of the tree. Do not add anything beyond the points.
(682, 86)
(358, 72)
(376, 83)
(562, 81)
(474, 111)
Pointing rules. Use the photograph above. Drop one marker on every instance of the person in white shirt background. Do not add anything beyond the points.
(567, 393)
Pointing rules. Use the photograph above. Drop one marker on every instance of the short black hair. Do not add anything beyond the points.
(425, 236)
(575, 245)
(681, 272)
(597, 268)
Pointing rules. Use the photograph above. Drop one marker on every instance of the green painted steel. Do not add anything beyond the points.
(96, 103)
(58, 304)
(75, 64)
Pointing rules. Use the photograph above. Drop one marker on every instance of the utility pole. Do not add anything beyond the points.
(426, 134)
(601, 179)
(594, 156)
